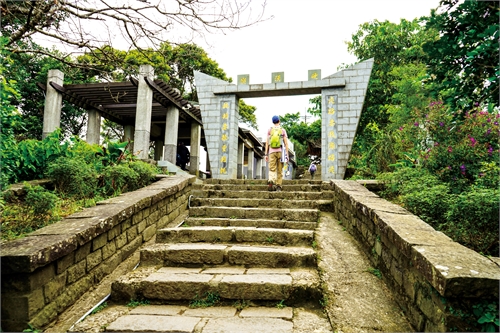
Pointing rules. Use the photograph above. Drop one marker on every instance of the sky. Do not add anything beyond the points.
(303, 35)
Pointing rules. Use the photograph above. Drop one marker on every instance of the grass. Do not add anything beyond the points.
(18, 218)
(281, 304)
(208, 299)
(314, 245)
(135, 303)
(375, 271)
(99, 308)
(270, 239)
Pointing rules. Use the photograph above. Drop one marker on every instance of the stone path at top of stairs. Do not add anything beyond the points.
(251, 249)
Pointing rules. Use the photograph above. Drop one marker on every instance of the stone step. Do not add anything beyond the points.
(196, 254)
(229, 283)
(216, 319)
(306, 215)
(269, 236)
(249, 194)
(261, 181)
(229, 222)
(264, 187)
(323, 205)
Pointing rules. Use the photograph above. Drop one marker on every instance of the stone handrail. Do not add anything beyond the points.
(428, 271)
(47, 271)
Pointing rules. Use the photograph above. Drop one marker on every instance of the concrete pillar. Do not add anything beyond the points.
(171, 133)
(258, 168)
(94, 127)
(194, 164)
(158, 150)
(143, 113)
(53, 103)
(265, 174)
(128, 134)
(250, 164)
(241, 160)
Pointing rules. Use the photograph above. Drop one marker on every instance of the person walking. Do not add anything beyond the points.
(276, 140)
(183, 155)
(312, 170)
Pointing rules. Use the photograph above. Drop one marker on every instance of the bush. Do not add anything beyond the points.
(472, 220)
(73, 177)
(118, 179)
(429, 203)
(146, 173)
(41, 201)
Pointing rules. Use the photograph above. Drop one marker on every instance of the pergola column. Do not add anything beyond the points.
(258, 171)
(241, 160)
(250, 164)
(143, 112)
(171, 132)
(53, 103)
(128, 134)
(194, 163)
(94, 127)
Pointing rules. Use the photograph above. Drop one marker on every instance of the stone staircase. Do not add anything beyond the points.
(251, 250)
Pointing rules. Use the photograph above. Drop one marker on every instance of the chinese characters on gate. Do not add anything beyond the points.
(331, 131)
(224, 133)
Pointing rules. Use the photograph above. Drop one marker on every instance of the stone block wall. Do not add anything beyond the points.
(435, 280)
(47, 271)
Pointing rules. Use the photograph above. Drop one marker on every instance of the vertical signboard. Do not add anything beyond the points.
(225, 106)
(332, 135)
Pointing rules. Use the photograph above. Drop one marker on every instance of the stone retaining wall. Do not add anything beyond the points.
(47, 271)
(435, 280)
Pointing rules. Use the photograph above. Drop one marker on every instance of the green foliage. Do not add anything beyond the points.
(41, 201)
(73, 177)
(303, 134)
(99, 308)
(133, 303)
(146, 173)
(375, 271)
(472, 220)
(118, 179)
(281, 304)
(487, 316)
(463, 61)
(247, 114)
(458, 151)
(40, 208)
(32, 329)
(469, 217)
(208, 299)
(391, 45)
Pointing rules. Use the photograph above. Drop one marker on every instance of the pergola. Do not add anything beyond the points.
(117, 102)
(149, 110)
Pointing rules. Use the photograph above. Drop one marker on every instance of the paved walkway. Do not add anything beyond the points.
(353, 300)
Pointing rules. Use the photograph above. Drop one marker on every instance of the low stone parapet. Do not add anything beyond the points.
(435, 280)
(47, 271)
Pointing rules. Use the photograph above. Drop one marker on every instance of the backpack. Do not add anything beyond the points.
(313, 168)
(275, 137)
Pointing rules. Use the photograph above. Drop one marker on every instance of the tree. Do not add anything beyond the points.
(31, 69)
(247, 114)
(391, 45)
(463, 62)
(89, 25)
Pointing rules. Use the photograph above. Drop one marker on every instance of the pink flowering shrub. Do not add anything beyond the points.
(452, 179)
(461, 148)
